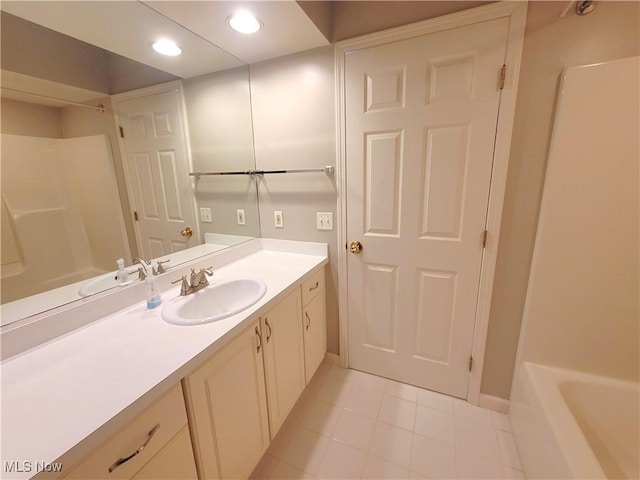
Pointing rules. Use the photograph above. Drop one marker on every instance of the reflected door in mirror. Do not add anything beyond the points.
(158, 168)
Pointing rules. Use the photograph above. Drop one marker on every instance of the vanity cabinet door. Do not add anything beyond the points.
(227, 405)
(175, 460)
(284, 358)
(315, 333)
(140, 443)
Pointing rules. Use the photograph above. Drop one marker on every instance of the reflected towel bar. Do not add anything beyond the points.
(328, 170)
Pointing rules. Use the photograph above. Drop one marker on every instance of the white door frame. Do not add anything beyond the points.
(516, 13)
(143, 92)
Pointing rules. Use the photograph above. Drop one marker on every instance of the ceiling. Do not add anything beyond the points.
(128, 28)
(113, 38)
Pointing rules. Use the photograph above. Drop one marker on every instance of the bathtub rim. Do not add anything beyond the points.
(542, 390)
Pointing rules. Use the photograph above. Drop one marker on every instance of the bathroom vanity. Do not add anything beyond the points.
(132, 396)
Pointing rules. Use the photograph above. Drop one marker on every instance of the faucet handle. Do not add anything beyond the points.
(184, 289)
(161, 269)
(142, 273)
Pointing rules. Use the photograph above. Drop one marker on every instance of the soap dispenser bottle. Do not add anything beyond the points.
(153, 295)
(122, 277)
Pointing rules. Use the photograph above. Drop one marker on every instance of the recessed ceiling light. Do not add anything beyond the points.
(244, 22)
(167, 47)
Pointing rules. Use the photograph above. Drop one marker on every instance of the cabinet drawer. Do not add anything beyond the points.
(313, 286)
(156, 426)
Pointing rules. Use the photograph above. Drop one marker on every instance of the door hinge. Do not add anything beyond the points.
(135, 216)
(470, 363)
(485, 236)
(503, 76)
(121, 132)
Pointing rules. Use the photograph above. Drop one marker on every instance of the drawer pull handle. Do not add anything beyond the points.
(139, 450)
(308, 318)
(314, 287)
(259, 340)
(266, 322)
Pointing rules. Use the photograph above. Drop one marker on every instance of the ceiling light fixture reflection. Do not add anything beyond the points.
(167, 47)
(244, 22)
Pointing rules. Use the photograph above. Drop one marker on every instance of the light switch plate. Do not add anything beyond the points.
(205, 215)
(324, 220)
(240, 216)
(278, 220)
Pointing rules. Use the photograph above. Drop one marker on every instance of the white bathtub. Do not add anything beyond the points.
(569, 424)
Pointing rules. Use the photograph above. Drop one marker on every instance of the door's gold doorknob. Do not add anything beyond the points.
(186, 232)
(355, 247)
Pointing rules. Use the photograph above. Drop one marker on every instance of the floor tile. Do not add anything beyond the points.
(392, 444)
(398, 412)
(476, 438)
(435, 400)
(501, 421)
(471, 466)
(417, 476)
(322, 370)
(344, 375)
(279, 443)
(364, 401)
(431, 458)
(305, 450)
(334, 391)
(401, 390)
(512, 473)
(508, 449)
(434, 424)
(321, 417)
(284, 471)
(375, 468)
(341, 461)
(463, 409)
(264, 468)
(355, 430)
(371, 382)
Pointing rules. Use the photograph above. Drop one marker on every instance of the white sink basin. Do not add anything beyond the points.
(214, 302)
(105, 282)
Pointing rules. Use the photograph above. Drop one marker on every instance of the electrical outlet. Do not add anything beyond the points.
(205, 215)
(278, 221)
(240, 217)
(324, 220)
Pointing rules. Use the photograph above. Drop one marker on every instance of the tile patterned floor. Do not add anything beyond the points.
(350, 425)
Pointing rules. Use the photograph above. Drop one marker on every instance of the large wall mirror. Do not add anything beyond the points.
(69, 203)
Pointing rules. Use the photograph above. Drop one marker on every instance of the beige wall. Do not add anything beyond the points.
(22, 118)
(551, 44)
(293, 101)
(218, 109)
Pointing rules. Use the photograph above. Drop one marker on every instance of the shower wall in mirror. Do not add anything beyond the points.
(77, 203)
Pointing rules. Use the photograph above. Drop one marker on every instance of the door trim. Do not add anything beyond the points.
(182, 107)
(516, 12)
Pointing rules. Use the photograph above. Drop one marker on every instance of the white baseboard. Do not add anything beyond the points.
(496, 404)
(332, 359)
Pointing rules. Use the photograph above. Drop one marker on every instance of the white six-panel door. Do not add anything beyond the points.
(420, 129)
(158, 168)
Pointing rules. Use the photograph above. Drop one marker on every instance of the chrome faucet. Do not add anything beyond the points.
(143, 271)
(197, 281)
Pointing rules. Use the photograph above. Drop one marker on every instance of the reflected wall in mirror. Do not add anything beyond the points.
(67, 206)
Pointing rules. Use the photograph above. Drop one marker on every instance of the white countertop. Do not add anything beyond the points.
(61, 393)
